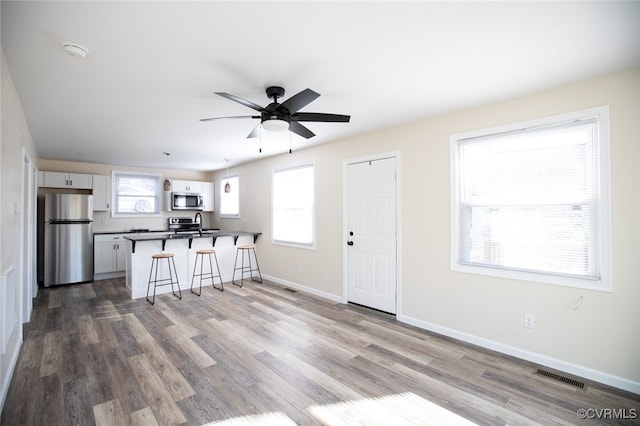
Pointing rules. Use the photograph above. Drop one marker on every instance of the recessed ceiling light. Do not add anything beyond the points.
(75, 49)
(167, 153)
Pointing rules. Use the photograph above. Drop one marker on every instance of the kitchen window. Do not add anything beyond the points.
(135, 194)
(530, 200)
(230, 196)
(293, 206)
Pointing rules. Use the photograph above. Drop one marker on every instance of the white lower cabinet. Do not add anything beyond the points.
(109, 255)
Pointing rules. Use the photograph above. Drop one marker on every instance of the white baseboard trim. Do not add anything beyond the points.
(306, 289)
(108, 275)
(557, 364)
(11, 360)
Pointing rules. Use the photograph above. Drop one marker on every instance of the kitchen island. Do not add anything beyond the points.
(140, 248)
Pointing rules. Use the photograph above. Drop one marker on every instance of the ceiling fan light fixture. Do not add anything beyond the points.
(275, 125)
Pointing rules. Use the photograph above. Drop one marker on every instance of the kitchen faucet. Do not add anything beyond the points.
(198, 219)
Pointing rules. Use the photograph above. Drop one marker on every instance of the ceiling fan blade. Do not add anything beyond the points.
(255, 132)
(320, 117)
(298, 101)
(241, 101)
(232, 117)
(299, 129)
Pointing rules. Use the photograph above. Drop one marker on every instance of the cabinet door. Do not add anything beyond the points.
(186, 186)
(103, 257)
(121, 255)
(55, 180)
(80, 181)
(179, 186)
(101, 192)
(207, 196)
(195, 187)
(66, 180)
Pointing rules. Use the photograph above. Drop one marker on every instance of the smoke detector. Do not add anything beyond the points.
(75, 49)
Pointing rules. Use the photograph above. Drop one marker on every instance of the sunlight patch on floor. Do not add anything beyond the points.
(401, 409)
(267, 419)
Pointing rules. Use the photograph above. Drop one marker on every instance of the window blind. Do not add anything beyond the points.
(293, 205)
(529, 200)
(136, 194)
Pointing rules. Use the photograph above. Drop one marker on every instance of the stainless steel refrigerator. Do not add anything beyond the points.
(68, 238)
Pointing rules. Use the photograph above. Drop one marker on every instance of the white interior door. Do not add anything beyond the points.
(371, 239)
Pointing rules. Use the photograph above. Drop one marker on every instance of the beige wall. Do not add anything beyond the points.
(105, 169)
(600, 340)
(16, 146)
(102, 221)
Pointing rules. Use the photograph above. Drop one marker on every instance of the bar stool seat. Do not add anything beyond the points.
(246, 251)
(204, 275)
(155, 260)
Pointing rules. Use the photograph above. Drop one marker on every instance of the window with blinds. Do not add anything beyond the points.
(531, 200)
(293, 206)
(135, 194)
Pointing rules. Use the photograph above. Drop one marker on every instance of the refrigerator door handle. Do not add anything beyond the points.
(68, 221)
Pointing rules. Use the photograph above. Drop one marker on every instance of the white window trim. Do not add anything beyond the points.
(114, 194)
(312, 245)
(602, 284)
(221, 191)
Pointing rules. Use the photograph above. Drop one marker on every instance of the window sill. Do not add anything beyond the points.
(558, 280)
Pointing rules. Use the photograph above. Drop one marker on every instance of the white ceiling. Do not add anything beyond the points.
(153, 68)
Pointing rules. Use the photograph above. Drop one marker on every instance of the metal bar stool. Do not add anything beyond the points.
(246, 249)
(204, 275)
(155, 260)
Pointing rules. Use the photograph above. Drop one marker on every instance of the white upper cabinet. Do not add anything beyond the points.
(207, 196)
(186, 186)
(66, 180)
(101, 192)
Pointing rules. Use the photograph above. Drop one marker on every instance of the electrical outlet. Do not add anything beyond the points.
(529, 321)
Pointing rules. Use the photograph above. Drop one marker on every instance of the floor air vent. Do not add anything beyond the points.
(560, 378)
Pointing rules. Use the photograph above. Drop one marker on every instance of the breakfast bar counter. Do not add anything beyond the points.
(183, 246)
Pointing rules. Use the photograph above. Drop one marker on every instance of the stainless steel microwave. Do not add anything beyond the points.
(186, 201)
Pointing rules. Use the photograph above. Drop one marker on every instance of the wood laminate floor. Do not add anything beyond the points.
(264, 354)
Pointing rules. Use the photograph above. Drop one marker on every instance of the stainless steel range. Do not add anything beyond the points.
(185, 224)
